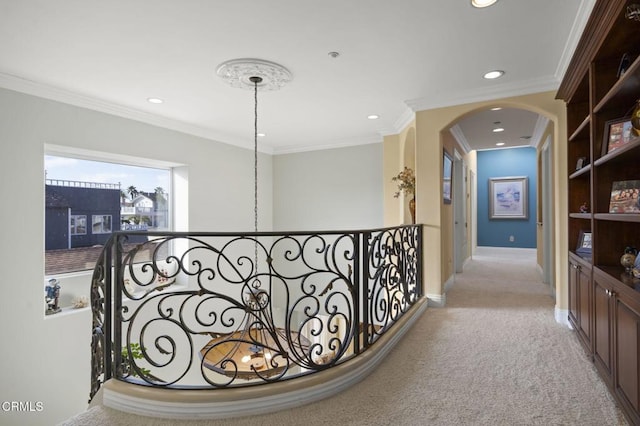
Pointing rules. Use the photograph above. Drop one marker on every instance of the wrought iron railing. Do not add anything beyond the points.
(218, 310)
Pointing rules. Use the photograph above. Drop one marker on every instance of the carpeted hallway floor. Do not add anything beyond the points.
(493, 356)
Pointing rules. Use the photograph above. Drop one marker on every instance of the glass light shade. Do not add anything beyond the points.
(482, 3)
(493, 74)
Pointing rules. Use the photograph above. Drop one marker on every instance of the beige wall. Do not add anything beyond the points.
(446, 212)
(548, 133)
(429, 126)
(398, 152)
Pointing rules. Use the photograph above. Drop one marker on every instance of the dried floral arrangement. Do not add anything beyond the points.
(406, 182)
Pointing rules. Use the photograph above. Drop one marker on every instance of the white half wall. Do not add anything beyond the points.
(334, 189)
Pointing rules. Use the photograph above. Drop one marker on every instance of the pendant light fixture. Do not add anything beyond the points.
(482, 3)
(258, 349)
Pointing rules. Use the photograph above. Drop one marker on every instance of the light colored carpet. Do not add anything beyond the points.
(493, 356)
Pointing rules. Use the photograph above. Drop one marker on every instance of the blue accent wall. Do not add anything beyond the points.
(506, 163)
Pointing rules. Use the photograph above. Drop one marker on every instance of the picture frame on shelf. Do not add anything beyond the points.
(447, 168)
(625, 62)
(582, 161)
(508, 197)
(584, 243)
(617, 133)
(625, 197)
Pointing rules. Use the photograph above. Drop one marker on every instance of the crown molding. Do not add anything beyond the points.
(403, 121)
(459, 136)
(293, 149)
(504, 147)
(493, 92)
(538, 130)
(57, 94)
(579, 24)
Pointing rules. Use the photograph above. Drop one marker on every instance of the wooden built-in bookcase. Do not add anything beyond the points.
(604, 301)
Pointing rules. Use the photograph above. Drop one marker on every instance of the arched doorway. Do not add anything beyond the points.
(498, 133)
(432, 131)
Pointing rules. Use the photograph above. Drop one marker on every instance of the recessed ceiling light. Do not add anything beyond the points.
(155, 100)
(496, 108)
(499, 143)
(498, 130)
(373, 117)
(262, 135)
(493, 74)
(482, 3)
(334, 54)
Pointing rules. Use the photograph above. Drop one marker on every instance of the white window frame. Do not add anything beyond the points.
(101, 221)
(73, 224)
(84, 154)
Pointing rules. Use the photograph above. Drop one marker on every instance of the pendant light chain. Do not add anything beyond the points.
(255, 80)
(255, 159)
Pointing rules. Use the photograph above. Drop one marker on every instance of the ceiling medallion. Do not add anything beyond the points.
(238, 72)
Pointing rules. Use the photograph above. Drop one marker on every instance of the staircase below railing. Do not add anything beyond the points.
(188, 311)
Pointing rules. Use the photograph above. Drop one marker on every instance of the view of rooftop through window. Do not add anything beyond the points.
(85, 201)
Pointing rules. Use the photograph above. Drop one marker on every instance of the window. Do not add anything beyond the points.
(78, 225)
(101, 224)
(87, 200)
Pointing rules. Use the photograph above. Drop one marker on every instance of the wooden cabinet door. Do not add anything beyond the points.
(603, 326)
(580, 298)
(627, 327)
(584, 305)
(573, 293)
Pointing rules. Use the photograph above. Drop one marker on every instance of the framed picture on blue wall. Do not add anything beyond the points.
(508, 198)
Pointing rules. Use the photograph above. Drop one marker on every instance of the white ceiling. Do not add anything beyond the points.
(396, 57)
(520, 128)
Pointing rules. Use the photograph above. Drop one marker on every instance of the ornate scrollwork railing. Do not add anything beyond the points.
(218, 310)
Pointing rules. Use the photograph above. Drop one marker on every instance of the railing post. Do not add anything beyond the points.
(357, 244)
(366, 237)
(116, 321)
(419, 271)
(108, 314)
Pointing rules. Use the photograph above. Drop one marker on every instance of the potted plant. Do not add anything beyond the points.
(407, 184)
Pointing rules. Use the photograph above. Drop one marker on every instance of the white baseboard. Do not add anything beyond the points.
(449, 283)
(466, 261)
(437, 300)
(540, 270)
(562, 317)
(440, 300)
